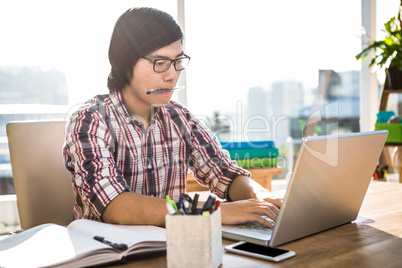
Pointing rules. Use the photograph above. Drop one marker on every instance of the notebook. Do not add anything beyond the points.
(326, 189)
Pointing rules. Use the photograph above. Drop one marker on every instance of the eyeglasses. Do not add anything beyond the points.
(162, 65)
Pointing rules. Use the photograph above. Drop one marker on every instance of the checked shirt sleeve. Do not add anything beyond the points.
(210, 163)
(88, 154)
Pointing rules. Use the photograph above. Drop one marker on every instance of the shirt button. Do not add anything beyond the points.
(149, 166)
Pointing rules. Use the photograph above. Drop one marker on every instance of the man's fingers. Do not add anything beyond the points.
(264, 221)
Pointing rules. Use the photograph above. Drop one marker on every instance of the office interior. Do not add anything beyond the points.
(259, 69)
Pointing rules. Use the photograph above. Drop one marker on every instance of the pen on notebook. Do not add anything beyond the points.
(119, 246)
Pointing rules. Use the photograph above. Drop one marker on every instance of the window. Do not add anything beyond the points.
(257, 67)
(54, 56)
(265, 66)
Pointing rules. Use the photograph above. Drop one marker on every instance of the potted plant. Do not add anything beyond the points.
(388, 52)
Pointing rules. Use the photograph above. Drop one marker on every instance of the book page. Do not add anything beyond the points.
(127, 234)
(49, 244)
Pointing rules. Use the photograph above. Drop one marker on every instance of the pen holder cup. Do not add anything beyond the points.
(194, 240)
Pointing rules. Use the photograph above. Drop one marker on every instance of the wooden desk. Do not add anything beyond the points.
(373, 240)
(261, 175)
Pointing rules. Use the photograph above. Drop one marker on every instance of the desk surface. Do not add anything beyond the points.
(373, 240)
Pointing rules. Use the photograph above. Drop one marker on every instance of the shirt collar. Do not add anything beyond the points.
(123, 110)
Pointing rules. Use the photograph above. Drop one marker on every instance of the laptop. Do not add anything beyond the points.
(326, 189)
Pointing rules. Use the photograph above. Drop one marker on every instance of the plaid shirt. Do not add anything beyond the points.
(108, 151)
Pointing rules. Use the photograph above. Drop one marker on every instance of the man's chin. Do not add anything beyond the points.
(161, 104)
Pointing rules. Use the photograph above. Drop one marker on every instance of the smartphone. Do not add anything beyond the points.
(262, 252)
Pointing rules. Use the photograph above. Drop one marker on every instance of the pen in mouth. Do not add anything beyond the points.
(159, 90)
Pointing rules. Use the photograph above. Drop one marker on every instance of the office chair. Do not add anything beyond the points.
(42, 183)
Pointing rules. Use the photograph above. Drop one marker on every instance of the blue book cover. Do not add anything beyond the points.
(247, 145)
(253, 153)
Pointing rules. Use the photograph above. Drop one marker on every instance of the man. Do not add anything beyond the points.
(129, 149)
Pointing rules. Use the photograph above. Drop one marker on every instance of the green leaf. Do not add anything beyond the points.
(389, 41)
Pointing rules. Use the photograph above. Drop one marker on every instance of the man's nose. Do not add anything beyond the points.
(171, 73)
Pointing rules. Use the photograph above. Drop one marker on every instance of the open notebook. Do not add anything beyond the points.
(327, 187)
(83, 243)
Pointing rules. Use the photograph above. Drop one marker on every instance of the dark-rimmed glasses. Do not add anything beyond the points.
(162, 65)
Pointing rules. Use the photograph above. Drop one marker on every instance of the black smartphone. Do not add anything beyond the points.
(259, 251)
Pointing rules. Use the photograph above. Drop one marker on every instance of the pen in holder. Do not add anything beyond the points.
(194, 240)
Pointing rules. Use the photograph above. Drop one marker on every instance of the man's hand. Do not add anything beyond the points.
(251, 201)
(249, 210)
(269, 197)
